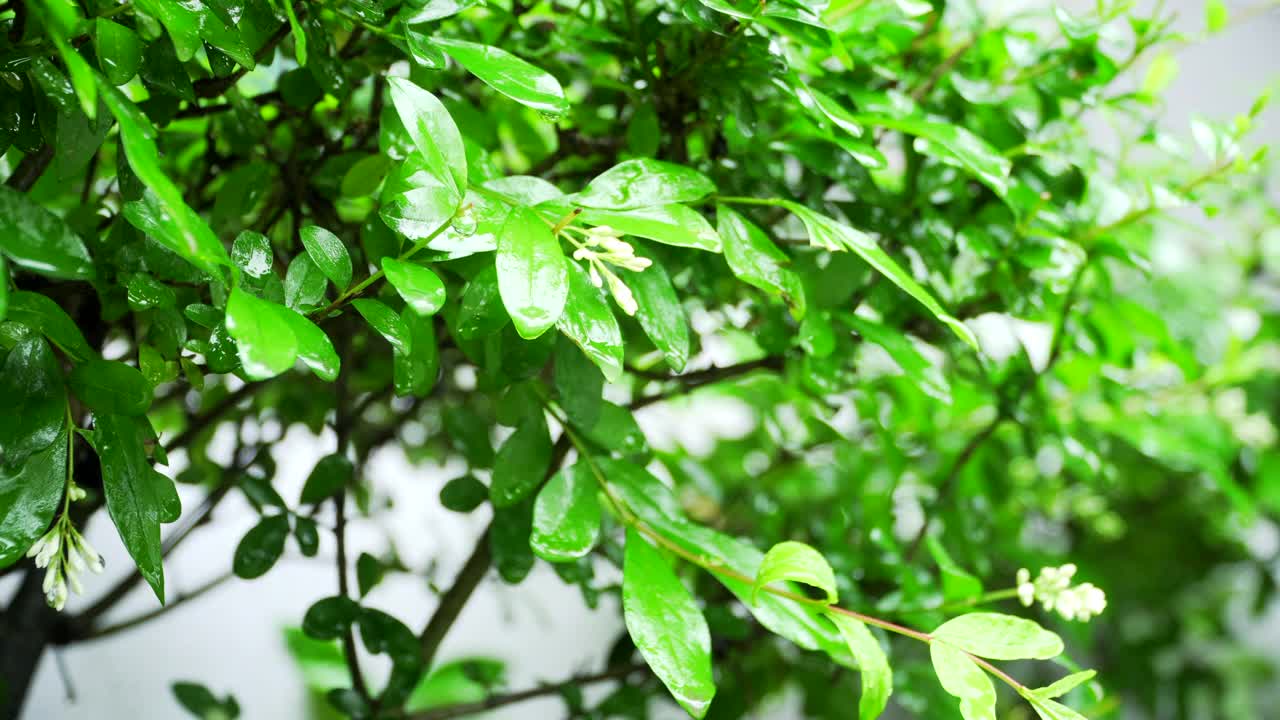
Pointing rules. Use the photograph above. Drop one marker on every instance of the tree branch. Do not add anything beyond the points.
(174, 604)
(496, 701)
(456, 597)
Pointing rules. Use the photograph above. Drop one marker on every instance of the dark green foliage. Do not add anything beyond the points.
(912, 324)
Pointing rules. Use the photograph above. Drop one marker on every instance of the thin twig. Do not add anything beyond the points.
(496, 701)
(177, 602)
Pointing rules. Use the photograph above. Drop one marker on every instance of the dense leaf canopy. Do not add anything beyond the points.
(992, 401)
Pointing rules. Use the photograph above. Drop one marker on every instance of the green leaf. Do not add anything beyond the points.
(481, 313)
(35, 400)
(1050, 710)
(385, 321)
(509, 541)
(566, 516)
(251, 252)
(4, 288)
(420, 213)
(790, 560)
(315, 350)
(659, 311)
(304, 284)
(914, 365)
(827, 233)
(877, 678)
(369, 573)
(162, 214)
(579, 384)
(960, 676)
(463, 494)
(1064, 685)
(261, 547)
(30, 492)
(200, 702)
(950, 143)
(111, 387)
(415, 373)
(666, 625)
(1215, 15)
(329, 618)
(421, 288)
(433, 132)
(138, 498)
(307, 533)
(755, 260)
(668, 224)
(328, 253)
(521, 463)
(46, 317)
(532, 273)
(643, 182)
(264, 339)
(1000, 637)
(588, 322)
(331, 474)
(38, 241)
(189, 23)
(119, 51)
(1160, 73)
(508, 74)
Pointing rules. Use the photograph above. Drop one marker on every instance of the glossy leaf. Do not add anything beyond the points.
(659, 312)
(261, 547)
(328, 253)
(676, 225)
(421, 288)
(111, 387)
(588, 322)
(508, 74)
(950, 143)
(331, 474)
(566, 516)
(796, 561)
(35, 401)
(1064, 685)
(827, 233)
(532, 273)
(119, 51)
(644, 182)
(521, 463)
(579, 384)
(314, 348)
(754, 259)
(264, 338)
(666, 625)
(328, 618)
(433, 132)
(1000, 637)
(38, 241)
(162, 214)
(385, 321)
(30, 492)
(877, 678)
(960, 676)
(138, 498)
(42, 315)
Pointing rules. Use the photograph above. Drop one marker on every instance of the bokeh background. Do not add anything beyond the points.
(232, 639)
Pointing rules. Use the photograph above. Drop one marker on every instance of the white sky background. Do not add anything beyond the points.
(231, 639)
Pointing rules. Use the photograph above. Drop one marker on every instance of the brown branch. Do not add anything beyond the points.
(177, 602)
(496, 701)
(701, 378)
(469, 577)
(213, 87)
(948, 483)
(30, 169)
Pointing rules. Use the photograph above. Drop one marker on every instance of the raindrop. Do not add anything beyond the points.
(465, 224)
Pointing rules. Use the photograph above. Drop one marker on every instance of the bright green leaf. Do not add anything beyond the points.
(877, 678)
(666, 625)
(532, 273)
(329, 254)
(790, 560)
(566, 516)
(588, 321)
(1000, 637)
(642, 183)
(508, 74)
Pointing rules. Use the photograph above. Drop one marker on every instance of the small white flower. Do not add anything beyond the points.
(622, 295)
(1052, 588)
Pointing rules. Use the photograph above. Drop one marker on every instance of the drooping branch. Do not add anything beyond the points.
(497, 701)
